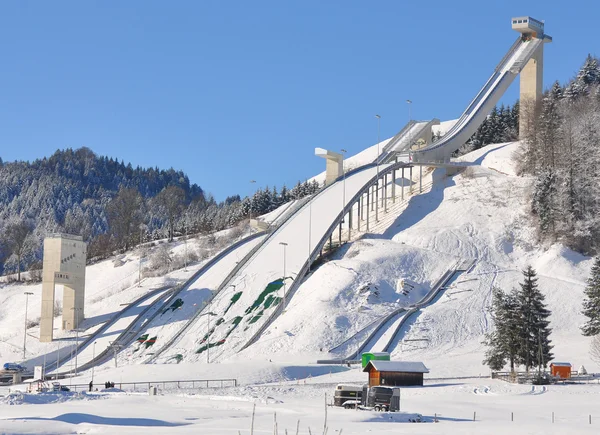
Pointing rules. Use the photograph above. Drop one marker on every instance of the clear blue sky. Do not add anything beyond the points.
(230, 91)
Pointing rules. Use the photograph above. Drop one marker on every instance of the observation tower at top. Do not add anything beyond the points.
(532, 75)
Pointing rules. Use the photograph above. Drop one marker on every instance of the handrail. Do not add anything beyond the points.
(481, 97)
(425, 300)
(319, 246)
(110, 322)
(511, 50)
(247, 258)
(207, 266)
(175, 291)
(397, 137)
(377, 320)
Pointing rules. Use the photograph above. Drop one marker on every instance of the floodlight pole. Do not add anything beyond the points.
(284, 244)
(377, 182)
(344, 188)
(25, 330)
(93, 358)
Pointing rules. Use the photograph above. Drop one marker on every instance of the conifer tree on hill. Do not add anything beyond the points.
(503, 343)
(535, 345)
(591, 304)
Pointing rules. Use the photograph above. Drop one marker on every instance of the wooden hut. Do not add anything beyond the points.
(560, 370)
(395, 373)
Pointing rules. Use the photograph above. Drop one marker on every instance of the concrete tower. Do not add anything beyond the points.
(335, 164)
(532, 75)
(64, 263)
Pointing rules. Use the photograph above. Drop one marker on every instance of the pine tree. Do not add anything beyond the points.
(591, 304)
(588, 76)
(495, 355)
(535, 347)
(503, 343)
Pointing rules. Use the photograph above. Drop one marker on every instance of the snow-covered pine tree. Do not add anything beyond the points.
(588, 76)
(284, 194)
(591, 303)
(495, 355)
(503, 343)
(534, 324)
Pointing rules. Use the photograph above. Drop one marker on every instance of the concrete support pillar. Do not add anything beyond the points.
(376, 200)
(350, 223)
(421, 179)
(410, 182)
(531, 88)
(385, 182)
(334, 166)
(358, 214)
(368, 208)
(402, 185)
(394, 186)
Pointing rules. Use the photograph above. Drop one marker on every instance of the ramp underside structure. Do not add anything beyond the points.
(521, 52)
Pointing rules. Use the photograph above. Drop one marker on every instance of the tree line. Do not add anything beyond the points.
(112, 205)
(561, 152)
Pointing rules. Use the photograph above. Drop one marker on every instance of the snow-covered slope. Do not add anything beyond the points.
(479, 214)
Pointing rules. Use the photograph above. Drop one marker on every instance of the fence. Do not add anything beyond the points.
(533, 376)
(145, 385)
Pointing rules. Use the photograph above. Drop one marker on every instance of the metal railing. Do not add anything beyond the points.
(145, 385)
(297, 208)
(106, 325)
(459, 266)
(317, 249)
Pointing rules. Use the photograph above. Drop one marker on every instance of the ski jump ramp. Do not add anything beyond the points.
(248, 303)
(511, 65)
(257, 289)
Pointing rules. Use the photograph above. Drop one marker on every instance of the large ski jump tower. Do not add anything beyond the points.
(532, 75)
(64, 263)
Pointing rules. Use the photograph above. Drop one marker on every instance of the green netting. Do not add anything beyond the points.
(210, 345)
(255, 318)
(272, 300)
(270, 288)
(236, 297)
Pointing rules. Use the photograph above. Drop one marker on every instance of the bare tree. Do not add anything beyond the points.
(125, 213)
(171, 201)
(595, 349)
(18, 237)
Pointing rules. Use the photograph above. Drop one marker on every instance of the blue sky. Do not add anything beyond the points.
(230, 91)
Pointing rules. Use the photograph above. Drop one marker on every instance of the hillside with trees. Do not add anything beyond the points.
(111, 204)
(561, 152)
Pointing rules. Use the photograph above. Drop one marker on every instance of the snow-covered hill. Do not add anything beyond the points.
(480, 214)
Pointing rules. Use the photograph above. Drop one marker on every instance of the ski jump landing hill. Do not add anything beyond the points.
(238, 303)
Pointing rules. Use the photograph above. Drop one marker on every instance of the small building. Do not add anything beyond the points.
(395, 373)
(560, 370)
(379, 356)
